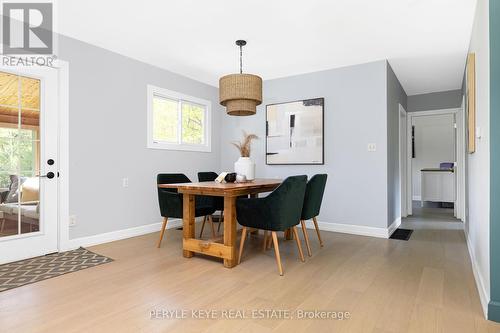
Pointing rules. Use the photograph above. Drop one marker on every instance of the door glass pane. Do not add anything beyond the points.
(30, 96)
(19, 154)
(9, 95)
(9, 219)
(165, 119)
(29, 207)
(192, 123)
(9, 157)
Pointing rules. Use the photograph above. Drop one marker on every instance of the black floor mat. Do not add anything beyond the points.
(401, 234)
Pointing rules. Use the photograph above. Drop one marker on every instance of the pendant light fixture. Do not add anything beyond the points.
(240, 93)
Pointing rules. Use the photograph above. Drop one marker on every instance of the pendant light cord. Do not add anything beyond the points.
(241, 59)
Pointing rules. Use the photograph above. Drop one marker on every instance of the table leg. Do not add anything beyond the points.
(230, 230)
(188, 221)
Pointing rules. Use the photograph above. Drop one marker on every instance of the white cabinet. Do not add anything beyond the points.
(438, 185)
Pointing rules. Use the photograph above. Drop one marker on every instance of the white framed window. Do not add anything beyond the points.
(177, 121)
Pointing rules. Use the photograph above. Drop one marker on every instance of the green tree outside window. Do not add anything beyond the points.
(17, 154)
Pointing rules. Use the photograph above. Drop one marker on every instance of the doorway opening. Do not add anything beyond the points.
(432, 165)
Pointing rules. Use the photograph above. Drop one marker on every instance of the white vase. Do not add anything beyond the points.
(246, 167)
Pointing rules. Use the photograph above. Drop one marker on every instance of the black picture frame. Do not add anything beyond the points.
(320, 101)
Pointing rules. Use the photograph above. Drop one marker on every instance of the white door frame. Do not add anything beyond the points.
(403, 160)
(460, 154)
(63, 226)
(461, 159)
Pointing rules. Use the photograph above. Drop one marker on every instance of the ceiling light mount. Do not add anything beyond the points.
(241, 42)
(240, 93)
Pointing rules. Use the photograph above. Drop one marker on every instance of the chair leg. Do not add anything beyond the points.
(220, 221)
(306, 237)
(297, 240)
(212, 225)
(242, 242)
(270, 242)
(277, 252)
(203, 225)
(164, 225)
(317, 231)
(264, 247)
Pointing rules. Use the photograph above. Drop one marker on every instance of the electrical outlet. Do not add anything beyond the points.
(372, 147)
(125, 182)
(72, 220)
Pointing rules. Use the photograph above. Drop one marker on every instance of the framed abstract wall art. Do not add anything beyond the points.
(295, 132)
(471, 102)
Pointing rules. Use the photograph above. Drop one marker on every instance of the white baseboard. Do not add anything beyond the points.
(393, 226)
(175, 223)
(483, 295)
(119, 234)
(361, 230)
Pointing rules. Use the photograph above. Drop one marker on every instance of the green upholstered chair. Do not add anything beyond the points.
(207, 176)
(312, 205)
(217, 202)
(171, 202)
(279, 211)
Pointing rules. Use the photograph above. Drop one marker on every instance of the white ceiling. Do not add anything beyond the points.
(426, 41)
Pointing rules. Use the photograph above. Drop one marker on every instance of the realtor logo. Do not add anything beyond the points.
(27, 28)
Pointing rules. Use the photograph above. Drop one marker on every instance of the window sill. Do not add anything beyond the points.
(180, 147)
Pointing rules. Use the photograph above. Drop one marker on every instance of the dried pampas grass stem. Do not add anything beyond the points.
(245, 146)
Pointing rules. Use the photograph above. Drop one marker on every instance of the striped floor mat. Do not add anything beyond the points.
(20, 273)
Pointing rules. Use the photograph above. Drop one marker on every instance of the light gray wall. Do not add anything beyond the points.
(355, 115)
(396, 95)
(108, 138)
(435, 101)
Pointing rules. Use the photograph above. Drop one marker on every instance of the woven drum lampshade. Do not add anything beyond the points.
(240, 93)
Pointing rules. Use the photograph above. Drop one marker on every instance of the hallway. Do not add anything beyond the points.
(431, 216)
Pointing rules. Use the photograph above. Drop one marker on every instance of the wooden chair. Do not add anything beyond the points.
(312, 204)
(279, 211)
(171, 202)
(217, 202)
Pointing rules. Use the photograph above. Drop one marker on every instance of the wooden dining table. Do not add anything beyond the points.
(226, 249)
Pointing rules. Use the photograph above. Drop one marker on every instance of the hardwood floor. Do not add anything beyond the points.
(423, 285)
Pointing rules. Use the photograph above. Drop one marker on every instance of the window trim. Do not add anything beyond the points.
(151, 143)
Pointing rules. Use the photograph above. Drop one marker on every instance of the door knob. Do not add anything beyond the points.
(49, 175)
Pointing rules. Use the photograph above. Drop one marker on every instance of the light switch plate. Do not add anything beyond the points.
(125, 182)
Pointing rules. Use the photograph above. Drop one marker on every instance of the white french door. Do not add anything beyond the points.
(28, 162)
